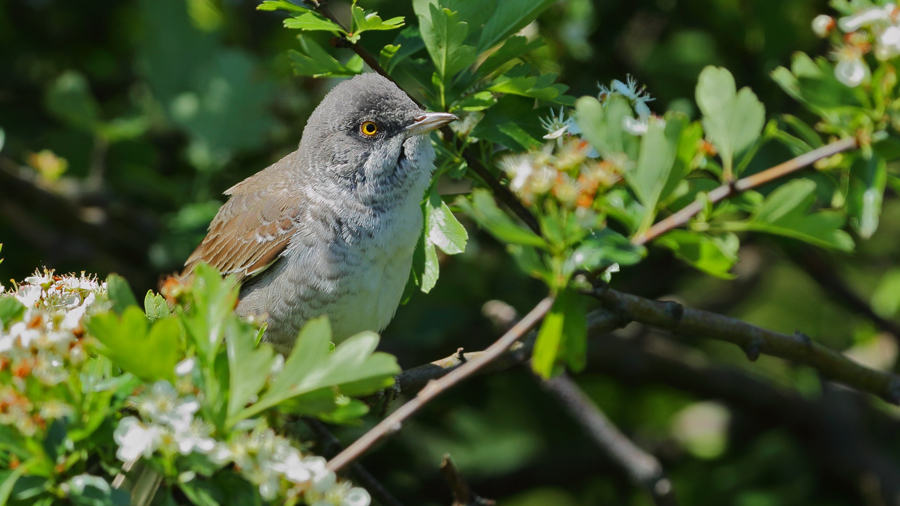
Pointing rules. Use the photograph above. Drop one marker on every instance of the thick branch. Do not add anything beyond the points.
(721, 193)
(641, 466)
(754, 340)
(432, 389)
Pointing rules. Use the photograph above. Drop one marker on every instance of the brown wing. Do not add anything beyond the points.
(250, 231)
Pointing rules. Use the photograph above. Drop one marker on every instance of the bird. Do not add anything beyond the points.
(330, 229)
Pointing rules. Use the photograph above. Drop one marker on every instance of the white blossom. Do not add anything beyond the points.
(135, 439)
(866, 17)
(635, 126)
(888, 43)
(822, 25)
(186, 366)
(851, 71)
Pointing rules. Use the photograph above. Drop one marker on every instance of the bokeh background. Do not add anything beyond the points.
(125, 120)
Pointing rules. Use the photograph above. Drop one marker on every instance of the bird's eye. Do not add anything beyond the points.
(368, 128)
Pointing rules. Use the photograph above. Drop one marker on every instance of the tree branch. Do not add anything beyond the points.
(641, 466)
(462, 493)
(754, 340)
(683, 216)
(392, 422)
(332, 445)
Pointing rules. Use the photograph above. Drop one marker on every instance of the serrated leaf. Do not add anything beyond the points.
(126, 341)
(733, 120)
(477, 101)
(714, 255)
(363, 21)
(119, 293)
(155, 306)
(868, 178)
(444, 230)
(213, 299)
(444, 34)
(485, 212)
(784, 212)
(312, 21)
(354, 368)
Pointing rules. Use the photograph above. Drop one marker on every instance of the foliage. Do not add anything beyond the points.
(598, 169)
(185, 389)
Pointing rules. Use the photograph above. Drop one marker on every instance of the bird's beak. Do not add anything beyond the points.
(430, 121)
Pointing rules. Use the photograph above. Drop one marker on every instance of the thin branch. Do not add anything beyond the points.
(641, 466)
(462, 493)
(754, 340)
(500, 191)
(683, 216)
(413, 380)
(332, 445)
(393, 422)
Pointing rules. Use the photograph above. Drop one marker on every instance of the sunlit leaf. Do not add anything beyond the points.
(126, 341)
(444, 35)
(712, 254)
(119, 293)
(732, 120)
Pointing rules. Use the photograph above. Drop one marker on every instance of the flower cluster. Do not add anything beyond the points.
(169, 426)
(42, 346)
(874, 29)
(568, 173)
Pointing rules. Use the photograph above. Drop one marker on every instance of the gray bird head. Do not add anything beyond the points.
(366, 134)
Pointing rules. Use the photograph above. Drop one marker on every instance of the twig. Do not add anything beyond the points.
(500, 191)
(462, 493)
(827, 278)
(413, 380)
(392, 422)
(754, 340)
(332, 445)
(721, 193)
(641, 466)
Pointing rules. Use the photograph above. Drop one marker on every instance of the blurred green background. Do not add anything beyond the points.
(125, 120)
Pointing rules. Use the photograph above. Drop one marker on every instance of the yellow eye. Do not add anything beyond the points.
(368, 128)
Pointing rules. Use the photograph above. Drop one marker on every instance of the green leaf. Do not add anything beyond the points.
(604, 248)
(125, 340)
(316, 62)
(248, 365)
(212, 301)
(514, 47)
(119, 293)
(486, 213)
(69, 98)
(868, 178)
(732, 120)
(273, 5)
(8, 480)
(408, 42)
(155, 306)
(364, 21)
(517, 81)
(513, 122)
(562, 335)
(714, 255)
(658, 149)
(601, 125)
(784, 212)
(477, 101)
(508, 18)
(444, 230)
(444, 34)
(353, 367)
(886, 299)
(312, 21)
(10, 309)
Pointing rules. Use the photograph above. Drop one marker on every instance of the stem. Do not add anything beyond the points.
(683, 216)
(393, 422)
